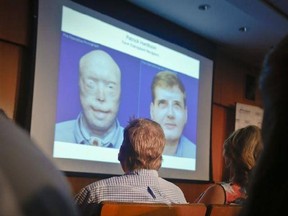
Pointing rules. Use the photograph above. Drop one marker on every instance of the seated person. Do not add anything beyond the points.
(3, 114)
(32, 183)
(8, 204)
(140, 156)
(268, 191)
(241, 152)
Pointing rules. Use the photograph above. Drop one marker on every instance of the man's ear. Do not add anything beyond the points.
(119, 156)
(152, 110)
(186, 114)
(122, 162)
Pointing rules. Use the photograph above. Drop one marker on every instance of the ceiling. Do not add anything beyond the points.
(266, 22)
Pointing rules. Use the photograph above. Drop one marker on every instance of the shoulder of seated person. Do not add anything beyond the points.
(214, 194)
(216, 187)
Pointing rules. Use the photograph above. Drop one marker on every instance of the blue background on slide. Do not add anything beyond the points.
(136, 80)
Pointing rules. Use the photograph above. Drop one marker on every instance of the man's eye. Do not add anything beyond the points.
(111, 86)
(90, 84)
(162, 103)
(178, 105)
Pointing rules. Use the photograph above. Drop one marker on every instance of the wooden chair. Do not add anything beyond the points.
(223, 210)
(109, 208)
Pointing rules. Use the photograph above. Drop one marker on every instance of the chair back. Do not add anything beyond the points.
(223, 210)
(109, 208)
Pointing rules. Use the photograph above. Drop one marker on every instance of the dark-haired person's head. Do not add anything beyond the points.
(273, 83)
(142, 146)
(268, 193)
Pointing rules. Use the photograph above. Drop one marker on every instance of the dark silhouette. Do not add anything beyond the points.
(268, 194)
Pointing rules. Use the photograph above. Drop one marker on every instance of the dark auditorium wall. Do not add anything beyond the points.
(17, 34)
(17, 22)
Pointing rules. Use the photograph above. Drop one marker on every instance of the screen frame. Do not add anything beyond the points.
(46, 85)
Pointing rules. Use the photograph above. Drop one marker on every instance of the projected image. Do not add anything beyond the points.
(103, 83)
(97, 123)
(168, 108)
(100, 89)
(93, 73)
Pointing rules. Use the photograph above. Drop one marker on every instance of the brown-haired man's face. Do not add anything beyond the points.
(168, 109)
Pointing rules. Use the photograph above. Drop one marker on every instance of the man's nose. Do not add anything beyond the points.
(100, 92)
(170, 111)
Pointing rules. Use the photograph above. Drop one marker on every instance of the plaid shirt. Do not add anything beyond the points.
(137, 186)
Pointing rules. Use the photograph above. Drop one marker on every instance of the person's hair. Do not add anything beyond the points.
(273, 85)
(274, 70)
(143, 145)
(167, 79)
(241, 152)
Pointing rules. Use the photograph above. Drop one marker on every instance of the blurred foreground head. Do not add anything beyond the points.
(268, 194)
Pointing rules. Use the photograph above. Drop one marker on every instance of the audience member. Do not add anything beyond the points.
(3, 114)
(241, 152)
(29, 182)
(268, 192)
(168, 108)
(8, 204)
(141, 157)
(100, 87)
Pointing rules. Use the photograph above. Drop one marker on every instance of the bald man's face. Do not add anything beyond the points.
(100, 87)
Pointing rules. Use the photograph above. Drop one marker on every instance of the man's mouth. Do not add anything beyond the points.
(100, 113)
(170, 125)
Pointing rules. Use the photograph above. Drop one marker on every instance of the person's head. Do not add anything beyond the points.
(268, 188)
(273, 83)
(100, 87)
(168, 106)
(142, 145)
(241, 152)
